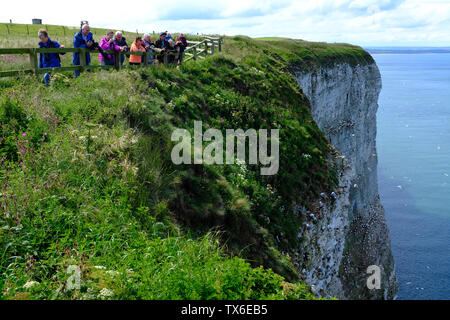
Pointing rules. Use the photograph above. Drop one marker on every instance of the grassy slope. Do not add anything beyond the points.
(94, 184)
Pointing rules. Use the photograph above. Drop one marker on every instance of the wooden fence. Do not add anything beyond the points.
(195, 50)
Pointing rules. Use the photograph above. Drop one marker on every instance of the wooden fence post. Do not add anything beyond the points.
(220, 44)
(28, 30)
(195, 53)
(117, 58)
(145, 58)
(166, 60)
(206, 48)
(82, 59)
(34, 62)
(212, 47)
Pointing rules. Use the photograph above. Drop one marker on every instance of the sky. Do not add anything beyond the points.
(367, 23)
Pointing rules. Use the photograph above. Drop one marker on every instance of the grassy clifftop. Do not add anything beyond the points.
(300, 54)
(87, 180)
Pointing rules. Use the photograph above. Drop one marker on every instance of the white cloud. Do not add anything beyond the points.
(364, 22)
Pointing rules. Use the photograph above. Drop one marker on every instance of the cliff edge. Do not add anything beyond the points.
(344, 102)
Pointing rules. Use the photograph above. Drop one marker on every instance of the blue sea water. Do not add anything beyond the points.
(413, 143)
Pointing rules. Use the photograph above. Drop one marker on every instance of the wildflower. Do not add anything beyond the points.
(22, 151)
(45, 133)
(105, 293)
(24, 134)
(26, 140)
(30, 284)
(112, 273)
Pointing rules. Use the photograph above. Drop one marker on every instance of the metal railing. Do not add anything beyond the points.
(195, 50)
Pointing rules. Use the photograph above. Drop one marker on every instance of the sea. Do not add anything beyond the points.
(413, 143)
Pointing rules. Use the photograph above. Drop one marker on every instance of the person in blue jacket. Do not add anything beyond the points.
(48, 60)
(168, 36)
(83, 39)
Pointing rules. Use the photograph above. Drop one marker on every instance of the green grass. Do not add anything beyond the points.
(303, 55)
(87, 180)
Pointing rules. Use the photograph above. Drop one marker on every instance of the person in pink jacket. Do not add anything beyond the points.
(107, 43)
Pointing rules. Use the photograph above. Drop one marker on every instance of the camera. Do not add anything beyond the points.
(95, 46)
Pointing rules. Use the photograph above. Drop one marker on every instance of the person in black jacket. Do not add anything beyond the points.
(179, 49)
(161, 46)
(120, 40)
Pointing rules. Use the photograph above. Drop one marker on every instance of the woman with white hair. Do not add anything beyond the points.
(120, 40)
(148, 44)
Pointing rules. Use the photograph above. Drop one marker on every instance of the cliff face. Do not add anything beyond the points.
(351, 233)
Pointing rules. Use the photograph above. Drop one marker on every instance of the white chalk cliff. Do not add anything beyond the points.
(350, 233)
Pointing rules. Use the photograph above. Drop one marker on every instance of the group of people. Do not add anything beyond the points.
(114, 42)
(165, 43)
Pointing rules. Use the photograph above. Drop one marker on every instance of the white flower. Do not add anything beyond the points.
(112, 273)
(105, 293)
(99, 267)
(134, 140)
(30, 284)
